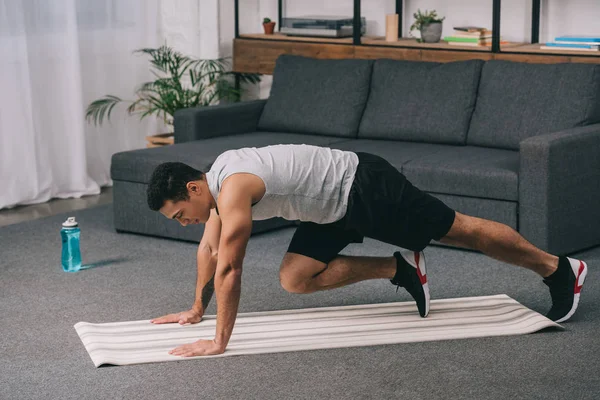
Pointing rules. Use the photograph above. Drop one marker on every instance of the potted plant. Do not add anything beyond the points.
(429, 24)
(268, 26)
(181, 82)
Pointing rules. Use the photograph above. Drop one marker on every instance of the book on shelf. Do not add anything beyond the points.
(578, 38)
(567, 48)
(482, 44)
(469, 36)
(573, 46)
(470, 28)
(457, 41)
(472, 34)
(569, 43)
(466, 39)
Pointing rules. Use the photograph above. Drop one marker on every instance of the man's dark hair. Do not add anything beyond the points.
(168, 182)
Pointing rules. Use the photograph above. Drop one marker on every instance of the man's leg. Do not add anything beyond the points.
(312, 261)
(564, 276)
(501, 242)
(410, 219)
(302, 274)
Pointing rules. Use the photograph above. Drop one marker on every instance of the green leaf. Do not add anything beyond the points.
(180, 82)
(97, 109)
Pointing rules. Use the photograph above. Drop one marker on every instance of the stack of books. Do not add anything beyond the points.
(574, 42)
(470, 36)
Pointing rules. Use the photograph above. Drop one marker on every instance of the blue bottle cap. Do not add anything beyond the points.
(70, 223)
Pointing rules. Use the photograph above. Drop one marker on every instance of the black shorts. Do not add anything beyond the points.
(382, 205)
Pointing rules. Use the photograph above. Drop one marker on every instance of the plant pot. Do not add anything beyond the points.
(159, 140)
(431, 33)
(269, 27)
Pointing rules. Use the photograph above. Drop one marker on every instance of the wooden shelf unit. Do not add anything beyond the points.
(256, 53)
(281, 36)
(412, 43)
(535, 48)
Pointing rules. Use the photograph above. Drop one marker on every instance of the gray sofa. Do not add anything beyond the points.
(512, 142)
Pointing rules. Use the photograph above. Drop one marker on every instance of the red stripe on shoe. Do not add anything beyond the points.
(422, 278)
(577, 285)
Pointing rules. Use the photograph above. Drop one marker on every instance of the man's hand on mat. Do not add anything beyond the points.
(190, 316)
(198, 348)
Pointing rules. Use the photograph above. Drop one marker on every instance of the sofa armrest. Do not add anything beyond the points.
(559, 188)
(220, 120)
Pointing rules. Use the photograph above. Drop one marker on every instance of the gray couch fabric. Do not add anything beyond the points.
(137, 165)
(460, 170)
(190, 125)
(511, 168)
(325, 97)
(520, 100)
(396, 152)
(467, 171)
(559, 188)
(439, 98)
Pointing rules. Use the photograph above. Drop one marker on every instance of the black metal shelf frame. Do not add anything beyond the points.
(496, 6)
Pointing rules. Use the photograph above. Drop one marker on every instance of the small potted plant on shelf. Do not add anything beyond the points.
(268, 26)
(181, 82)
(429, 24)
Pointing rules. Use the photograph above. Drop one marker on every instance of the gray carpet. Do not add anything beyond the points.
(136, 277)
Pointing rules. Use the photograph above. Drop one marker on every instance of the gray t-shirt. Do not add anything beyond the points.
(303, 182)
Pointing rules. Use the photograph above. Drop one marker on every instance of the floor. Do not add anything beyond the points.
(53, 207)
(136, 277)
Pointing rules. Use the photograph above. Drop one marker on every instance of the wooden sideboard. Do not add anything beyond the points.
(256, 53)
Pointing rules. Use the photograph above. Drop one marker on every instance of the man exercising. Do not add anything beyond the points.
(339, 197)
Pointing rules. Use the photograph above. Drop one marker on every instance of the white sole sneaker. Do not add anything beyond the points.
(580, 270)
(417, 261)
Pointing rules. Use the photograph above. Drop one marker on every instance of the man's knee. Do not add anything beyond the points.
(296, 272)
(296, 287)
(288, 275)
(291, 284)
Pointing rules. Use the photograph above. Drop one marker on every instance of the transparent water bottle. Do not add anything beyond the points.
(71, 254)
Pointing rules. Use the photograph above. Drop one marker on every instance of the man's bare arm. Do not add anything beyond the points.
(206, 261)
(236, 215)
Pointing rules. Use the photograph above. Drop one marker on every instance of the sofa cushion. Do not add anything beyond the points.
(450, 169)
(520, 100)
(396, 152)
(467, 171)
(421, 101)
(323, 97)
(138, 165)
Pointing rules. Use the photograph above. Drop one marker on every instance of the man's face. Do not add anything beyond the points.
(195, 210)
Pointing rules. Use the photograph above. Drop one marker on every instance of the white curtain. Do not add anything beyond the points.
(56, 56)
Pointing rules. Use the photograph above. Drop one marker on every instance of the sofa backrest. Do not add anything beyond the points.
(421, 101)
(520, 100)
(325, 97)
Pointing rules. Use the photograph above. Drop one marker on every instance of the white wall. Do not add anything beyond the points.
(191, 26)
(558, 17)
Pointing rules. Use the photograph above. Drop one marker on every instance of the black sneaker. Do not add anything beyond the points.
(411, 275)
(565, 288)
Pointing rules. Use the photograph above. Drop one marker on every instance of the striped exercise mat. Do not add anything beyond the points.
(137, 342)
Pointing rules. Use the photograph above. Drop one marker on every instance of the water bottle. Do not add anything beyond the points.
(71, 255)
